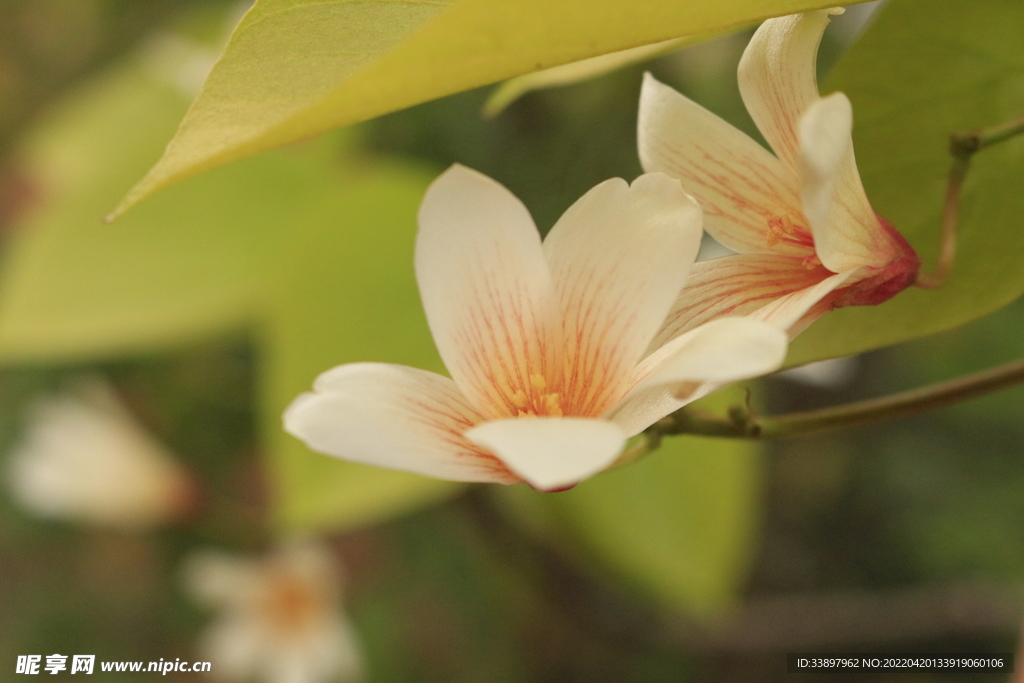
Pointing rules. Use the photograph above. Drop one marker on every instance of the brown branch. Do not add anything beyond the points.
(743, 424)
(963, 146)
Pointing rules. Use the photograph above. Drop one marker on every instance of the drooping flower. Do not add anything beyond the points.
(85, 458)
(280, 616)
(800, 219)
(546, 343)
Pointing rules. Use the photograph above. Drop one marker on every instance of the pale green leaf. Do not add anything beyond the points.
(679, 524)
(576, 72)
(924, 69)
(187, 265)
(293, 69)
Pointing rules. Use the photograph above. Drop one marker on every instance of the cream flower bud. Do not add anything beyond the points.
(83, 457)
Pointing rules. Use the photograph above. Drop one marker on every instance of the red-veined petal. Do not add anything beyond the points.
(736, 285)
(743, 189)
(551, 453)
(396, 417)
(486, 289)
(795, 311)
(618, 258)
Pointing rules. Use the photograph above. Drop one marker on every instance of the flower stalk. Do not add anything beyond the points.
(744, 423)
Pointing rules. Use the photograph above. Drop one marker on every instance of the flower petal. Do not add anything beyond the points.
(618, 258)
(794, 312)
(846, 231)
(551, 452)
(743, 189)
(393, 416)
(723, 350)
(735, 285)
(778, 78)
(696, 363)
(486, 289)
(215, 578)
(236, 645)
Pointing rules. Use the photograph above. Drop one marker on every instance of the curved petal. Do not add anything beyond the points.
(486, 289)
(618, 258)
(393, 416)
(643, 407)
(695, 364)
(846, 231)
(736, 285)
(795, 311)
(743, 189)
(778, 78)
(723, 350)
(551, 453)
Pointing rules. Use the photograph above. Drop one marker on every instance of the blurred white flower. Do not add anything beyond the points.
(281, 618)
(83, 457)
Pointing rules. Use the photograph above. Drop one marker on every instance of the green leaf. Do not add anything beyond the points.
(307, 244)
(925, 69)
(576, 72)
(185, 266)
(347, 294)
(292, 69)
(679, 524)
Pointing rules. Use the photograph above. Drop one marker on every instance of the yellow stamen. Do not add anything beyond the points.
(535, 401)
(519, 399)
(778, 228)
(552, 406)
(811, 262)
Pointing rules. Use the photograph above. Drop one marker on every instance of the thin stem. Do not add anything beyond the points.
(963, 146)
(743, 424)
(984, 137)
(648, 442)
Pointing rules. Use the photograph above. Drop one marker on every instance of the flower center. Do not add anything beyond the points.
(783, 229)
(539, 402)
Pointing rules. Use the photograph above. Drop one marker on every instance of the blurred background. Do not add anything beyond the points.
(209, 307)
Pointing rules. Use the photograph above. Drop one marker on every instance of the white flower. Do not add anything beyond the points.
(546, 344)
(807, 237)
(280, 617)
(84, 457)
